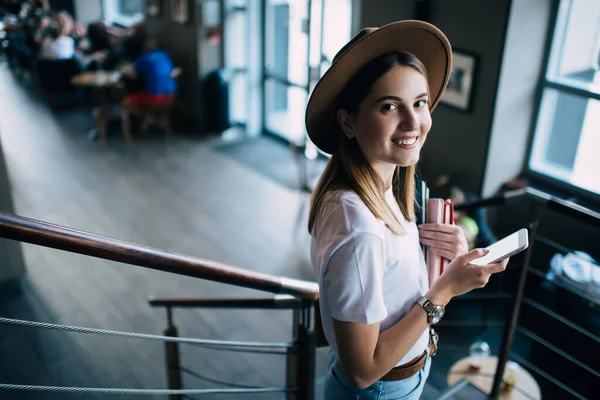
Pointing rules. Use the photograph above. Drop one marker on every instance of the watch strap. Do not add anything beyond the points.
(430, 307)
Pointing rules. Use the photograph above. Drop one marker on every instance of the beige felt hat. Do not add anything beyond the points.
(423, 40)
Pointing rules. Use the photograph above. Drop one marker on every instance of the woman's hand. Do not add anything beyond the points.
(460, 276)
(444, 240)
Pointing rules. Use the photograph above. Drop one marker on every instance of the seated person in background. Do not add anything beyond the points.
(56, 45)
(129, 49)
(34, 12)
(99, 46)
(37, 13)
(98, 37)
(133, 42)
(67, 24)
(154, 68)
(41, 30)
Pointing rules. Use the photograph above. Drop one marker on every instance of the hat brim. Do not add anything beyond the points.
(423, 40)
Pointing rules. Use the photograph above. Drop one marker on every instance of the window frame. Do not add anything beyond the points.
(228, 11)
(110, 14)
(545, 82)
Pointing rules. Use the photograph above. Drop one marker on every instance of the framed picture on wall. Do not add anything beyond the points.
(153, 8)
(180, 11)
(459, 92)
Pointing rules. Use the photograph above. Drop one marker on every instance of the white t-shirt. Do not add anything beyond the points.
(366, 274)
(61, 48)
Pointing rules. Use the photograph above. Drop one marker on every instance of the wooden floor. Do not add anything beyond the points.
(179, 195)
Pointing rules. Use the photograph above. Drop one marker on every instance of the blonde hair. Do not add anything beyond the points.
(348, 169)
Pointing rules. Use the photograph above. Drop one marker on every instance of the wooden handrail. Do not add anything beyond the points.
(75, 241)
(281, 301)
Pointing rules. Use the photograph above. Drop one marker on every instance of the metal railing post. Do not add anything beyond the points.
(512, 320)
(172, 358)
(300, 367)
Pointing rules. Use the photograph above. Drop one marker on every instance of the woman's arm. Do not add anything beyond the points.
(377, 353)
(367, 355)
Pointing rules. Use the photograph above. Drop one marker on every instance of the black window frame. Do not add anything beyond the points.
(546, 82)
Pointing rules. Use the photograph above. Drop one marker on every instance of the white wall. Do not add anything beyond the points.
(87, 11)
(458, 142)
(255, 69)
(516, 105)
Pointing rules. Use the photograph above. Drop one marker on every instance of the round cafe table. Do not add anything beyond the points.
(100, 82)
(96, 79)
(526, 387)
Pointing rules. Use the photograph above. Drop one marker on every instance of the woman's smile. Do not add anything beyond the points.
(406, 142)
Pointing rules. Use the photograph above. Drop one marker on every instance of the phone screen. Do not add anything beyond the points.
(504, 248)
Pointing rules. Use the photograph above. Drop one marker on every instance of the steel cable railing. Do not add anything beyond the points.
(211, 344)
(198, 342)
(147, 392)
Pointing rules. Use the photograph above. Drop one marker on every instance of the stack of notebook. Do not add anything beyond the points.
(433, 211)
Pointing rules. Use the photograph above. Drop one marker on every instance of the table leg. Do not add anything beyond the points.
(100, 119)
(100, 115)
(125, 126)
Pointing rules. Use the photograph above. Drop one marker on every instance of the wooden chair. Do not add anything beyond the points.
(102, 117)
(148, 114)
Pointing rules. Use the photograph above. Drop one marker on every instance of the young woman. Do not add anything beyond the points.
(371, 112)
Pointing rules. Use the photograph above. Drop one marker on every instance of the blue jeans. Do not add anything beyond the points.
(338, 387)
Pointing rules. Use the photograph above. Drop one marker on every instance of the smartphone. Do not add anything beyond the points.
(503, 248)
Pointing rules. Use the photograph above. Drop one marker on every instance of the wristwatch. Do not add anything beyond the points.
(434, 312)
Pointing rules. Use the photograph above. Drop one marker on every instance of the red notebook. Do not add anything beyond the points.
(438, 212)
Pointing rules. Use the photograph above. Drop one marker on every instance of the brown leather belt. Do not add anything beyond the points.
(413, 366)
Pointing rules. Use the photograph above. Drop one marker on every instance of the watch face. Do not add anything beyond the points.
(437, 316)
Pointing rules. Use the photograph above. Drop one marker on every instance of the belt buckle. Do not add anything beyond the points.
(434, 341)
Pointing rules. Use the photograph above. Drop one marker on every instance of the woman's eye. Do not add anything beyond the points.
(389, 107)
(421, 103)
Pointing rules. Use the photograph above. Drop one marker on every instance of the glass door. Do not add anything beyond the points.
(331, 29)
(300, 39)
(286, 43)
(237, 32)
(336, 32)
